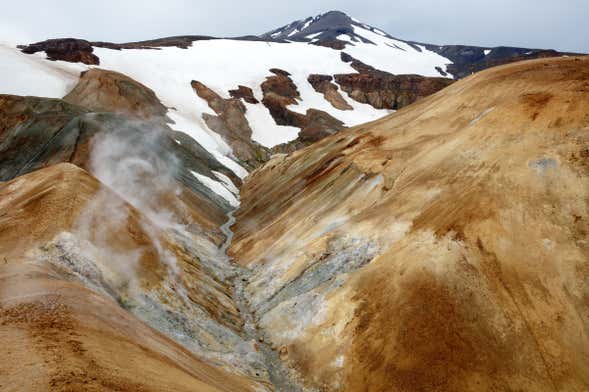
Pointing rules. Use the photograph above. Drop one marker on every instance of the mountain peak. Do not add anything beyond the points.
(321, 28)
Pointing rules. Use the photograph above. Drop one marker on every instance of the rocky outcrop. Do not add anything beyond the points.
(393, 92)
(279, 92)
(65, 49)
(245, 93)
(231, 123)
(108, 91)
(463, 215)
(181, 41)
(319, 124)
(383, 90)
(331, 43)
(322, 84)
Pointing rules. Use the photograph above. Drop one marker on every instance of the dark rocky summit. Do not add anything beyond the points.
(324, 28)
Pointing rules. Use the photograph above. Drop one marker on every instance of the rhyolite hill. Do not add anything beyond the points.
(322, 207)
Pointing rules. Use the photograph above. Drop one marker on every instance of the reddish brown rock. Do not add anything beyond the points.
(244, 93)
(281, 85)
(279, 92)
(389, 91)
(322, 84)
(333, 44)
(276, 104)
(108, 91)
(316, 125)
(319, 124)
(231, 123)
(65, 49)
(279, 72)
(383, 90)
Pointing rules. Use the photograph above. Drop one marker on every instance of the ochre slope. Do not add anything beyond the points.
(444, 247)
(60, 336)
(79, 268)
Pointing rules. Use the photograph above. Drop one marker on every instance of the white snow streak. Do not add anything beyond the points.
(217, 187)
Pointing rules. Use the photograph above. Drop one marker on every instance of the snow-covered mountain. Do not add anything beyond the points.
(243, 99)
(329, 27)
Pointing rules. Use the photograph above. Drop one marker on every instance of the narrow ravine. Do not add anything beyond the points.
(280, 376)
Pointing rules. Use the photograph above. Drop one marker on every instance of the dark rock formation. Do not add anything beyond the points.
(383, 90)
(279, 72)
(244, 93)
(76, 50)
(389, 91)
(331, 43)
(359, 65)
(322, 84)
(319, 124)
(182, 42)
(231, 123)
(279, 92)
(65, 49)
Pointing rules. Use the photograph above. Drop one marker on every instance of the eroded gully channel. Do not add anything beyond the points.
(280, 376)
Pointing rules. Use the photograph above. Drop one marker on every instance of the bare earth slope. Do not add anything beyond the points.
(61, 336)
(444, 247)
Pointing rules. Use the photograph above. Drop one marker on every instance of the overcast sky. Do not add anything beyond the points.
(558, 24)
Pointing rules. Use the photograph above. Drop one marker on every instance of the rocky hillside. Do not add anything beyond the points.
(444, 247)
(174, 217)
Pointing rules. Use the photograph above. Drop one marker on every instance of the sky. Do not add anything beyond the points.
(556, 24)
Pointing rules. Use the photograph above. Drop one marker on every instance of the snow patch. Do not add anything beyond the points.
(406, 61)
(227, 182)
(25, 74)
(314, 35)
(217, 187)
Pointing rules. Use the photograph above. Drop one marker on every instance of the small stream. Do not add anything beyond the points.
(280, 376)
